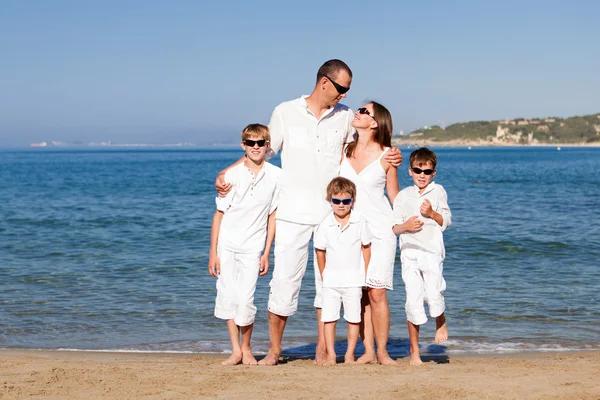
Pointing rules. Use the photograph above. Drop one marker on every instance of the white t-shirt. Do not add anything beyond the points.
(343, 250)
(311, 151)
(408, 203)
(247, 207)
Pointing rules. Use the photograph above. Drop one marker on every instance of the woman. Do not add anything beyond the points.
(364, 164)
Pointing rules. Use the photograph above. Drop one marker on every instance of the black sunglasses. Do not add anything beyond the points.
(340, 89)
(425, 171)
(251, 143)
(363, 110)
(343, 201)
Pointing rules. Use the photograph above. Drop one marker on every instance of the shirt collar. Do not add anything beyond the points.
(305, 105)
(428, 189)
(354, 218)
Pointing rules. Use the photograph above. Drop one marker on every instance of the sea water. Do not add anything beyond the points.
(108, 250)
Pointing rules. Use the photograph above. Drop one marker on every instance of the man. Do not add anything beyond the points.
(310, 132)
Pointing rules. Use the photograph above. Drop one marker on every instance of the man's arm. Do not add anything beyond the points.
(222, 187)
(393, 157)
(276, 129)
(214, 264)
(264, 259)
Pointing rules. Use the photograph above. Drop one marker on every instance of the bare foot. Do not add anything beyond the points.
(271, 358)
(384, 359)
(441, 332)
(330, 360)
(248, 358)
(234, 359)
(367, 358)
(321, 356)
(415, 359)
(349, 359)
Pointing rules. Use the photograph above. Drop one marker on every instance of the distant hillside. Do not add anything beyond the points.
(573, 130)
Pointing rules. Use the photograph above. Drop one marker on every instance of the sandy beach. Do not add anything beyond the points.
(96, 375)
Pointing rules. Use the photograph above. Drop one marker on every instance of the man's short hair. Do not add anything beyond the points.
(341, 185)
(421, 156)
(332, 68)
(256, 130)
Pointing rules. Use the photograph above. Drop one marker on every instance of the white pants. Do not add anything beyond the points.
(423, 280)
(333, 298)
(291, 257)
(236, 286)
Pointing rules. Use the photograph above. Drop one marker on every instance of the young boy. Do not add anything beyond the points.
(421, 215)
(242, 232)
(340, 242)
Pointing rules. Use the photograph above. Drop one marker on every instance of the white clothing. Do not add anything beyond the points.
(311, 150)
(372, 203)
(408, 204)
(236, 286)
(247, 207)
(343, 250)
(333, 298)
(291, 256)
(423, 280)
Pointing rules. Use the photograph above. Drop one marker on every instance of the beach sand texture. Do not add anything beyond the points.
(93, 375)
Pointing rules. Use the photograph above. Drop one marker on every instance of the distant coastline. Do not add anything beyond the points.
(414, 142)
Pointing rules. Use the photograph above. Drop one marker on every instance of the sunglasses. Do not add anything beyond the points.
(345, 202)
(364, 111)
(425, 171)
(340, 89)
(251, 143)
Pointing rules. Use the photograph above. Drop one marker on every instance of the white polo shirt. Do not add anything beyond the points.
(343, 250)
(247, 207)
(311, 151)
(408, 203)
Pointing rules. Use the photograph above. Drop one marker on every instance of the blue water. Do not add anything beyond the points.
(108, 250)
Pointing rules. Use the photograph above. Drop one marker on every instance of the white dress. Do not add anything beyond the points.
(372, 203)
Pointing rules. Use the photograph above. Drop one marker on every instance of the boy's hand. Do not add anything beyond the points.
(393, 157)
(413, 225)
(214, 265)
(426, 209)
(264, 265)
(222, 187)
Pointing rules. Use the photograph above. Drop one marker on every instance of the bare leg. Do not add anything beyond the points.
(366, 332)
(441, 332)
(329, 329)
(415, 352)
(353, 331)
(380, 315)
(276, 328)
(321, 351)
(247, 357)
(236, 351)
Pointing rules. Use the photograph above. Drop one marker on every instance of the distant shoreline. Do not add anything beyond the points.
(473, 143)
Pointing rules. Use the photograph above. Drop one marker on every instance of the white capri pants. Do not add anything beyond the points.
(380, 274)
(236, 286)
(423, 280)
(291, 257)
(333, 298)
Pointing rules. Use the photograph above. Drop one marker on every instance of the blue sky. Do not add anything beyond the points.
(165, 71)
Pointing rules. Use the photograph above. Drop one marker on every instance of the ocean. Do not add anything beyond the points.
(108, 250)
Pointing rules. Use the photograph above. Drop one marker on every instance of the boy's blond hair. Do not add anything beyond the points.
(256, 130)
(341, 185)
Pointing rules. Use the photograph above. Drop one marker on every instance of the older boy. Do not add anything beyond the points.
(242, 233)
(421, 215)
(340, 242)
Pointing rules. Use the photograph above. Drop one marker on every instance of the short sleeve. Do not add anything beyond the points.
(443, 208)
(276, 130)
(398, 219)
(320, 239)
(223, 203)
(365, 233)
(350, 131)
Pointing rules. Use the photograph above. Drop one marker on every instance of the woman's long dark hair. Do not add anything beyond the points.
(383, 132)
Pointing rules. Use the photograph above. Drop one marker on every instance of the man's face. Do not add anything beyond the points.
(421, 179)
(341, 79)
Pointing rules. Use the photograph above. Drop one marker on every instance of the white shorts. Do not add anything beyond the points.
(380, 274)
(236, 286)
(291, 257)
(423, 280)
(333, 298)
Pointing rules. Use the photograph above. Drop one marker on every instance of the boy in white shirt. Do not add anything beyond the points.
(421, 215)
(242, 233)
(340, 242)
